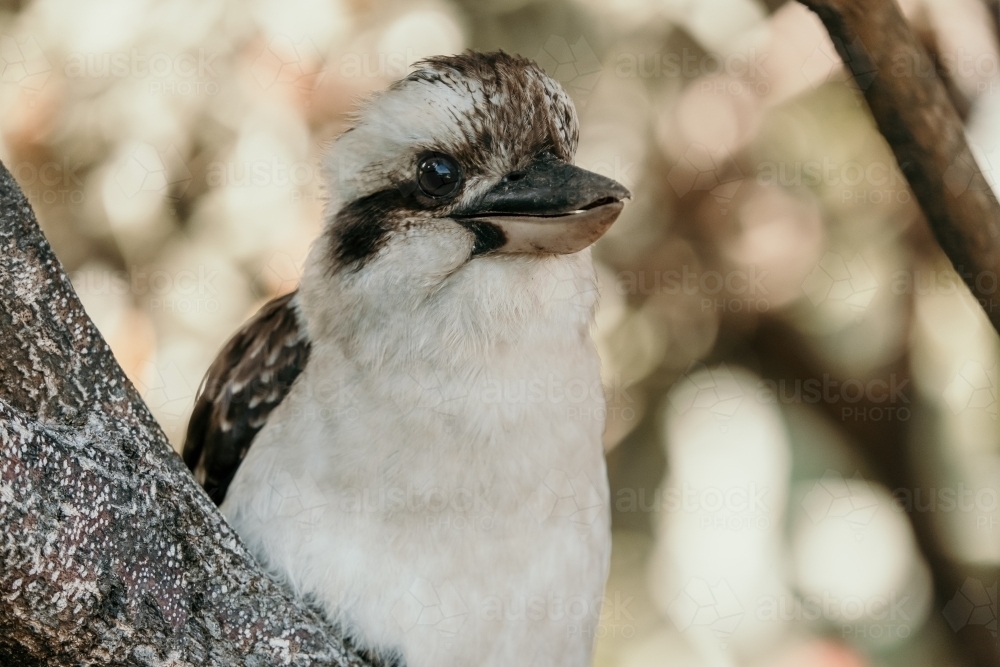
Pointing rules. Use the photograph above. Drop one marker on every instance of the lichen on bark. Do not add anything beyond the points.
(110, 553)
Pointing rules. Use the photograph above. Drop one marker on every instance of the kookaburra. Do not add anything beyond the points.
(413, 439)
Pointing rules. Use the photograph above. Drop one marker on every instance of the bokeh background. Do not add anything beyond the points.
(802, 422)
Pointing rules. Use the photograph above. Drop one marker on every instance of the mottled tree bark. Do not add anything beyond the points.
(110, 553)
(913, 111)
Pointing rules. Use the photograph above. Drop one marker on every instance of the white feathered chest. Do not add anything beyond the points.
(455, 511)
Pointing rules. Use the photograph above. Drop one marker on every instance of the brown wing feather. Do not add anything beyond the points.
(250, 377)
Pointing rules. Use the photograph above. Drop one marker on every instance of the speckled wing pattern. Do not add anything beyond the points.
(250, 377)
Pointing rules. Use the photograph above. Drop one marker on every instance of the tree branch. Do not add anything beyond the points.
(111, 554)
(913, 112)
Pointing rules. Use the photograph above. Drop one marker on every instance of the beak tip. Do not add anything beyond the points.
(618, 191)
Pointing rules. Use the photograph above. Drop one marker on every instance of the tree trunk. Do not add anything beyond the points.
(111, 554)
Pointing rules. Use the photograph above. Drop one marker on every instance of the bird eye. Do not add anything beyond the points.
(438, 175)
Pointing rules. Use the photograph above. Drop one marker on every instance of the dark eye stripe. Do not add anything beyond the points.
(489, 237)
(362, 226)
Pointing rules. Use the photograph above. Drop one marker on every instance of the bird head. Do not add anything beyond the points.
(480, 144)
(461, 172)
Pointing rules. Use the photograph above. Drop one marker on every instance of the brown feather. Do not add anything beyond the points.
(251, 376)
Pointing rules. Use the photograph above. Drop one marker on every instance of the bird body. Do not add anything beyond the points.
(432, 475)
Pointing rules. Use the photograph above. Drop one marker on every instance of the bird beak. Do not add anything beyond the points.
(550, 207)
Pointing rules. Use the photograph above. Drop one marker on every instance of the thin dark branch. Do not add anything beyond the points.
(915, 115)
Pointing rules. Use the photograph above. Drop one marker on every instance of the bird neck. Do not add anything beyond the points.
(492, 364)
(451, 318)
